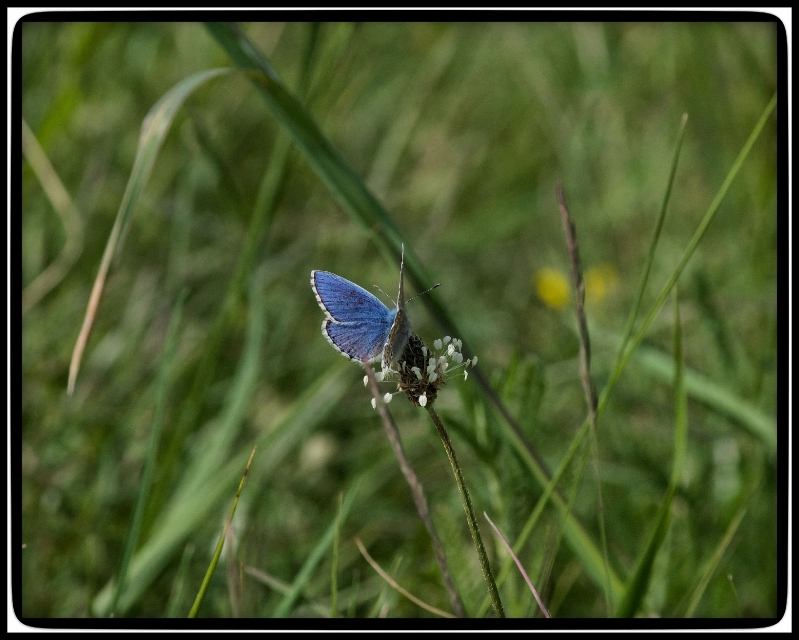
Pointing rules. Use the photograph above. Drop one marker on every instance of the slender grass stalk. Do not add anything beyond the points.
(587, 382)
(712, 563)
(395, 585)
(417, 491)
(220, 544)
(519, 565)
(474, 529)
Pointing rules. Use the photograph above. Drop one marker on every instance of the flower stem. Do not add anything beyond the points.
(417, 492)
(470, 517)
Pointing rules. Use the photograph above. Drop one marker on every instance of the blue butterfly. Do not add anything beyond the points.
(357, 324)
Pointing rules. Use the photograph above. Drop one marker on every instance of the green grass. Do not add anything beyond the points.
(451, 139)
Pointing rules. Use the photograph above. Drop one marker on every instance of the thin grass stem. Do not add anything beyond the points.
(220, 544)
(587, 382)
(519, 565)
(470, 517)
(395, 585)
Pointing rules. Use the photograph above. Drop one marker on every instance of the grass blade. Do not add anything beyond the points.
(579, 540)
(213, 446)
(220, 544)
(59, 198)
(153, 131)
(519, 565)
(639, 581)
(261, 217)
(713, 563)
(394, 585)
(179, 583)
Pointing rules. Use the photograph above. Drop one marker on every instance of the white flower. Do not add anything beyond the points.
(374, 403)
(386, 398)
(365, 380)
(423, 400)
(447, 339)
(436, 344)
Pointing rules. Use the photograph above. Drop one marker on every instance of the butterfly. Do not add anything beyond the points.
(356, 323)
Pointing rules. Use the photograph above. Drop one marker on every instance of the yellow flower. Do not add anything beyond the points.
(552, 288)
(599, 282)
(555, 289)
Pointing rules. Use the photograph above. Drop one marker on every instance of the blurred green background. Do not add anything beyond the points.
(461, 131)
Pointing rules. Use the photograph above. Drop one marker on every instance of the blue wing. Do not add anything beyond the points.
(343, 301)
(357, 340)
(357, 323)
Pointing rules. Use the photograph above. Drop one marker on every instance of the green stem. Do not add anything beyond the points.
(470, 517)
(219, 545)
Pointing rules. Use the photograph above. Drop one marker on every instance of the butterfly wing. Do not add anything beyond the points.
(357, 323)
(357, 340)
(344, 301)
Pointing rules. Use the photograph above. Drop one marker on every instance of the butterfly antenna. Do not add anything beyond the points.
(423, 292)
(401, 294)
(385, 294)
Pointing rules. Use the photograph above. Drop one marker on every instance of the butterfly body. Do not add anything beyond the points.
(357, 324)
